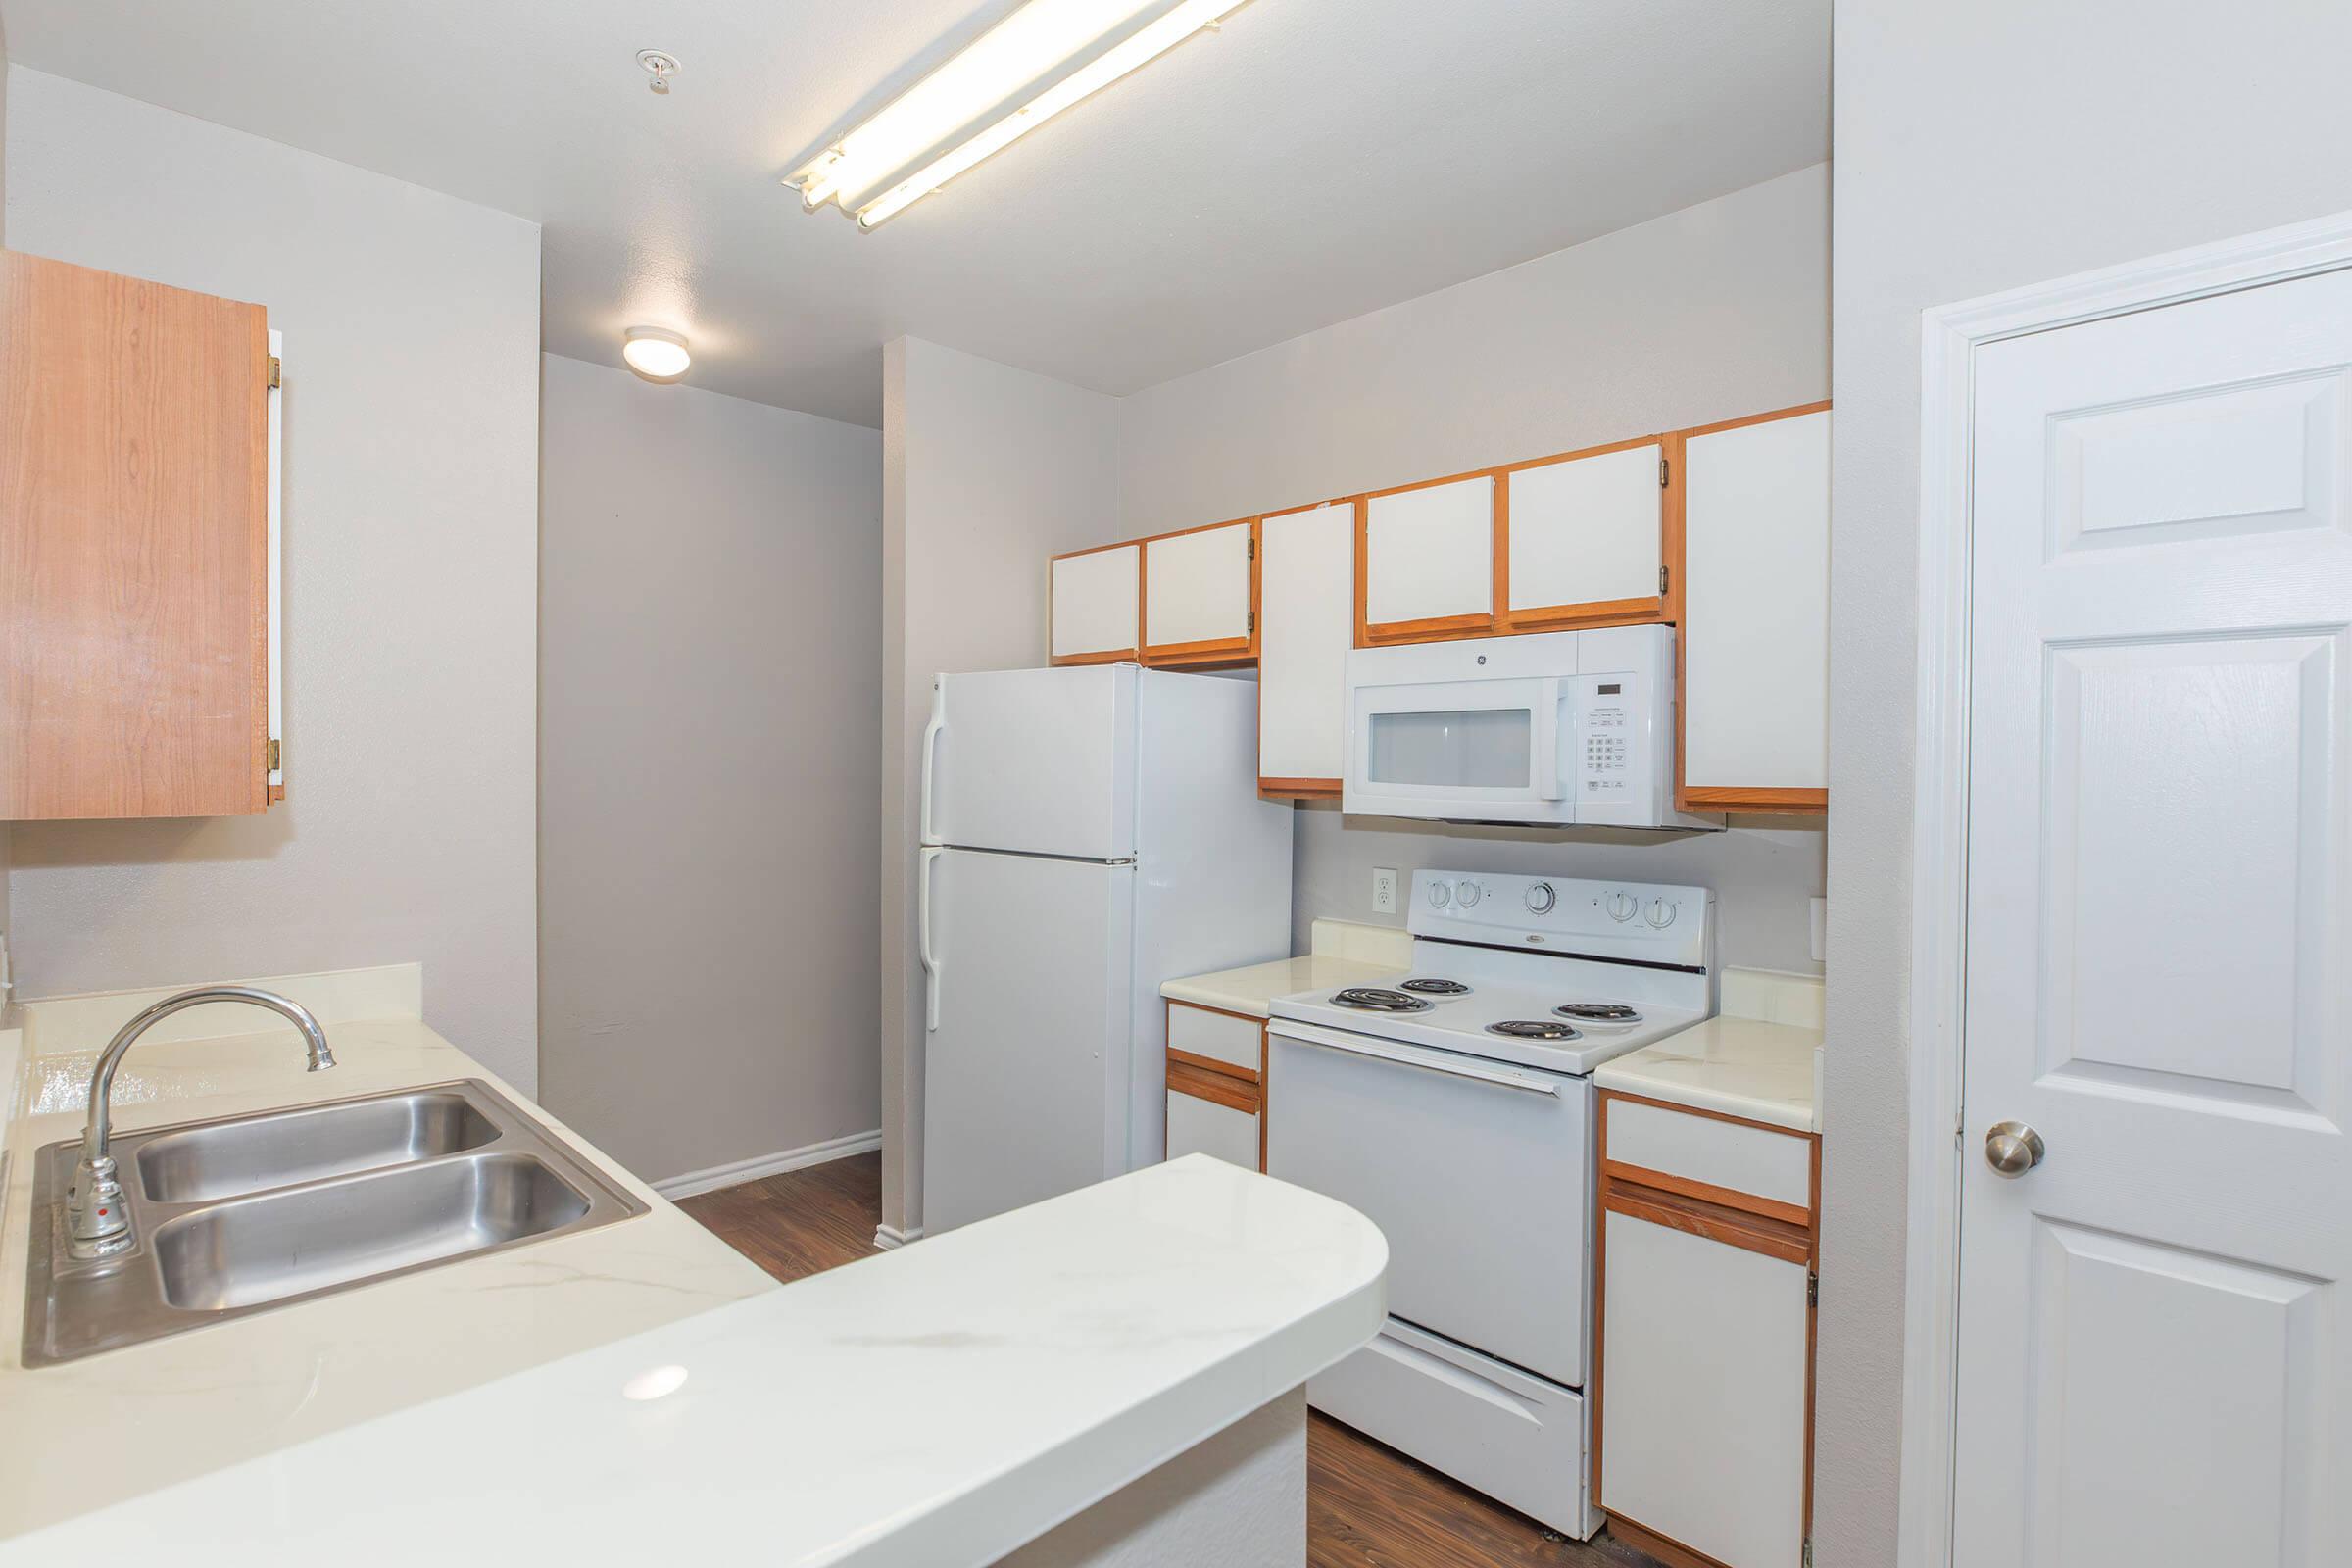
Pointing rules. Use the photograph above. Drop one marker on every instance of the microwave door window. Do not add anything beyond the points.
(1482, 748)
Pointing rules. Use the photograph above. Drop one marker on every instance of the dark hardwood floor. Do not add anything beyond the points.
(1367, 1506)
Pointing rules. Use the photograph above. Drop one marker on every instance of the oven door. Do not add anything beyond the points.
(1478, 1174)
(1470, 749)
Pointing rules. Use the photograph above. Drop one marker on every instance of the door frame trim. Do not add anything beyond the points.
(1950, 335)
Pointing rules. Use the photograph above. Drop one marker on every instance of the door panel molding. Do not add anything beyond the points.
(1951, 334)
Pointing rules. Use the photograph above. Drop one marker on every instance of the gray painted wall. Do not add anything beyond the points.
(412, 436)
(711, 574)
(1707, 314)
(1984, 147)
(987, 471)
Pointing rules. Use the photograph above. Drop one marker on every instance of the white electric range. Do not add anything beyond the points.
(1451, 1104)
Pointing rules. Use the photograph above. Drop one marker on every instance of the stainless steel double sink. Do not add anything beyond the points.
(244, 1214)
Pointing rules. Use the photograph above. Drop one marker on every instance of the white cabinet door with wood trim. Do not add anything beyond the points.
(1703, 1375)
(1307, 579)
(1429, 561)
(1587, 539)
(1755, 616)
(1196, 595)
(1198, 1126)
(1095, 608)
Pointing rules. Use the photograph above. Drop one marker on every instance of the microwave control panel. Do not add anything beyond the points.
(1608, 751)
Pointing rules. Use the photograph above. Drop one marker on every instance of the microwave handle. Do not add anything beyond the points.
(1548, 715)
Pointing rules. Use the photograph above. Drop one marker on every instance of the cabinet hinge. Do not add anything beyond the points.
(1661, 474)
(1253, 622)
(1808, 1552)
(1252, 547)
(1812, 1288)
(274, 765)
(1661, 582)
(277, 374)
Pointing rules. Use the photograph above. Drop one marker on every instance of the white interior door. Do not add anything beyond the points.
(1031, 963)
(2155, 1342)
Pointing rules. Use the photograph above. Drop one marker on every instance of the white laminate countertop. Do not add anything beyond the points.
(1344, 954)
(930, 1407)
(1250, 991)
(1740, 1067)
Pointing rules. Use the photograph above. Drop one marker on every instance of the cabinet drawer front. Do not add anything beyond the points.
(1094, 603)
(1198, 1126)
(1726, 1155)
(1430, 553)
(1518, 1439)
(1702, 1393)
(1585, 531)
(1217, 1036)
(1196, 587)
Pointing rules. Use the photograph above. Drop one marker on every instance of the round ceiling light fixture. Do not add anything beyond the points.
(661, 65)
(655, 354)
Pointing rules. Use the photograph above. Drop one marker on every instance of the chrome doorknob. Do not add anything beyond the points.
(2012, 1149)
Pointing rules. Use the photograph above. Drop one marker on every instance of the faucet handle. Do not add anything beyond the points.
(98, 1218)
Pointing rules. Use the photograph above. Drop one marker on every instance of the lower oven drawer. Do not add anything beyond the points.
(1478, 1172)
(1520, 1439)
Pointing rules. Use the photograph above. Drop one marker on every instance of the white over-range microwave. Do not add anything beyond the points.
(1564, 728)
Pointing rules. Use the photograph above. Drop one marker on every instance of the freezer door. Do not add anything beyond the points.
(1479, 1173)
(1038, 760)
(1025, 1079)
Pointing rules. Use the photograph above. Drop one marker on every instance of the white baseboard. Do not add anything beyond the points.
(888, 1236)
(760, 1165)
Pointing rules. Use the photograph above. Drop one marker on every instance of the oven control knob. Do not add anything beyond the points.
(1623, 907)
(1465, 894)
(1541, 898)
(1661, 914)
(1439, 896)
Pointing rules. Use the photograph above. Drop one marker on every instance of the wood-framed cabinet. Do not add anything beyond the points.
(1200, 589)
(138, 548)
(1307, 572)
(1582, 538)
(1424, 562)
(1754, 706)
(1702, 1391)
(1096, 605)
(1216, 1084)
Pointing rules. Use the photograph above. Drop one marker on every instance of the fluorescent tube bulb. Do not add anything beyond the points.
(997, 90)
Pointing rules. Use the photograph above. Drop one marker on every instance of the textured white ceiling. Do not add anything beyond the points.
(1315, 160)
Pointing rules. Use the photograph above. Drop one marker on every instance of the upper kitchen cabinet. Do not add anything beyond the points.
(136, 544)
(1754, 707)
(1200, 591)
(1307, 574)
(1427, 562)
(1584, 538)
(1097, 605)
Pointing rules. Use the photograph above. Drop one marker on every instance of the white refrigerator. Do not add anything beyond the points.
(1087, 833)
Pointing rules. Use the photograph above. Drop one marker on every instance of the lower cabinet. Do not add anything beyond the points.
(1703, 1394)
(1216, 1101)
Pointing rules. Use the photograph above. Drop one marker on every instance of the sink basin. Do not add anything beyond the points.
(306, 1239)
(251, 1214)
(228, 1158)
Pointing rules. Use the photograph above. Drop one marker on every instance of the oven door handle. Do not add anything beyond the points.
(1307, 1034)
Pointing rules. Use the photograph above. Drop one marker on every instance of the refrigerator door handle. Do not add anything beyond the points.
(931, 733)
(923, 936)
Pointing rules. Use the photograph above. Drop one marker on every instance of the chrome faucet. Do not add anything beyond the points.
(97, 1220)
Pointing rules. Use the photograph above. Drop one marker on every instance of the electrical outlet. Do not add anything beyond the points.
(1821, 930)
(1384, 890)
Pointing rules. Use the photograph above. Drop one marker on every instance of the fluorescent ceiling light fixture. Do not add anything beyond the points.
(655, 354)
(1012, 78)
